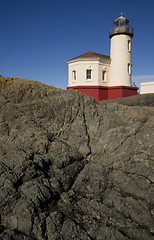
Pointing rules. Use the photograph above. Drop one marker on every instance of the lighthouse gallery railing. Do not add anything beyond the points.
(121, 29)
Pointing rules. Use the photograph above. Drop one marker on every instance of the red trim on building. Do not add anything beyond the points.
(121, 91)
(104, 93)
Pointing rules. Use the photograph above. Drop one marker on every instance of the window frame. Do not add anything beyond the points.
(74, 75)
(129, 45)
(88, 75)
(104, 76)
(129, 66)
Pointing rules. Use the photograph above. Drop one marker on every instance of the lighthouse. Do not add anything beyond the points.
(120, 53)
(105, 77)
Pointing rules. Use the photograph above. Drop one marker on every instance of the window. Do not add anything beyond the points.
(129, 68)
(129, 45)
(104, 76)
(74, 75)
(88, 74)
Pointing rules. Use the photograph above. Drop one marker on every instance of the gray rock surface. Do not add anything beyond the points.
(72, 168)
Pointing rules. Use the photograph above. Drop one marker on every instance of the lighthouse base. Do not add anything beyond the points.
(104, 93)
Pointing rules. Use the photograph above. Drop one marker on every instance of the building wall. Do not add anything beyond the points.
(121, 91)
(80, 66)
(147, 87)
(103, 66)
(103, 92)
(97, 92)
(120, 58)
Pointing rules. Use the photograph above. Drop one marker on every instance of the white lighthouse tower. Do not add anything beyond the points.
(121, 34)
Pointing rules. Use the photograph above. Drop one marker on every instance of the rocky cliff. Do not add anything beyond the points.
(72, 168)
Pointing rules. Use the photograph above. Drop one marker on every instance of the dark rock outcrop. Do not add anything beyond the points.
(72, 168)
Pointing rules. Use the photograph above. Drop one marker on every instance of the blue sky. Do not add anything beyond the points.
(39, 36)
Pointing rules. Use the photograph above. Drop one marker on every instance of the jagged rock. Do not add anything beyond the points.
(72, 168)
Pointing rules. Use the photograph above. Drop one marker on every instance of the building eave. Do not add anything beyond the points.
(88, 59)
(90, 55)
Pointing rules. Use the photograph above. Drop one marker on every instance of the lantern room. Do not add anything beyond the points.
(121, 26)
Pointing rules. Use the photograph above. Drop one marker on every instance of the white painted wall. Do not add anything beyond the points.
(103, 67)
(120, 58)
(147, 87)
(81, 65)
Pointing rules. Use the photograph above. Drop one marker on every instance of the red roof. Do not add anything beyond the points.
(91, 55)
